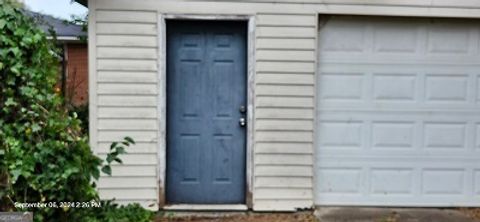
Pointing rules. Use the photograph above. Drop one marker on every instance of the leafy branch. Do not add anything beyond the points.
(116, 149)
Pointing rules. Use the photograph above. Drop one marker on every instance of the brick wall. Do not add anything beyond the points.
(77, 74)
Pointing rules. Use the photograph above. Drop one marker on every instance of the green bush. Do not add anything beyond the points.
(111, 212)
(44, 153)
(82, 114)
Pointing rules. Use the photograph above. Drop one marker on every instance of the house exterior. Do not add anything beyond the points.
(287, 104)
(74, 56)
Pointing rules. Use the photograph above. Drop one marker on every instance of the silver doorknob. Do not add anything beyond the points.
(243, 109)
(242, 122)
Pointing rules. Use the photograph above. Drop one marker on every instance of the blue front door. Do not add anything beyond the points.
(206, 100)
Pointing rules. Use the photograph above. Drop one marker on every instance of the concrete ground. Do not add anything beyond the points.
(360, 214)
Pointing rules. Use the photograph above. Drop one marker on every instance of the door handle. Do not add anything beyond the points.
(243, 109)
(242, 122)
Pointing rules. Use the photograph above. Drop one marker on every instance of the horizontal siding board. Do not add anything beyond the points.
(139, 147)
(126, 41)
(127, 182)
(135, 159)
(130, 194)
(285, 19)
(284, 113)
(127, 77)
(127, 65)
(285, 55)
(140, 136)
(282, 193)
(124, 171)
(126, 29)
(284, 125)
(286, 79)
(286, 32)
(266, 101)
(284, 159)
(286, 44)
(126, 112)
(286, 148)
(124, 88)
(285, 90)
(126, 16)
(284, 136)
(290, 67)
(283, 182)
(126, 53)
(283, 171)
(125, 101)
(127, 124)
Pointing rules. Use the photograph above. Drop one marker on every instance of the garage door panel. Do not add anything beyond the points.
(444, 135)
(398, 114)
(340, 134)
(477, 182)
(443, 60)
(395, 132)
(407, 179)
(400, 200)
(411, 36)
(369, 159)
(428, 89)
(338, 86)
(446, 88)
(393, 114)
(394, 87)
(460, 38)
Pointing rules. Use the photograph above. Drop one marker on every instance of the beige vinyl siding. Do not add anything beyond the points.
(284, 99)
(127, 95)
(285, 92)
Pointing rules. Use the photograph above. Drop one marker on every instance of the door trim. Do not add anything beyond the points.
(162, 99)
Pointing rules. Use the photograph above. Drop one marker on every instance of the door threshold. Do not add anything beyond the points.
(207, 207)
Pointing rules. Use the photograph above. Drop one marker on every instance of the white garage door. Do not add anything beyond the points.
(398, 118)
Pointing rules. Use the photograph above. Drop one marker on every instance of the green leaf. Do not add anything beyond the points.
(36, 127)
(15, 70)
(10, 102)
(20, 32)
(107, 170)
(126, 143)
(113, 145)
(118, 160)
(3, 22)
(15, 175)
(129, 139)
(121, 150)
(95, 174)
(15, 51)
(110, 158)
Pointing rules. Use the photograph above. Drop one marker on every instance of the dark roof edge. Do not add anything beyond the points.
(83, 2)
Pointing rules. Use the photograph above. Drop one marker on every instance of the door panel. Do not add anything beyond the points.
(206, 86)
